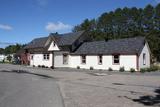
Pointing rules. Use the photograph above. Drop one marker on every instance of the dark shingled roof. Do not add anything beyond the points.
(61, 39)
(69, 38)
(120, 46)
(37, 43)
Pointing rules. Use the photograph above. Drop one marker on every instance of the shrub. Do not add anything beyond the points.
(154, 68)
(46, 66)
(33, 65)
(91, 68)
(78, 67)
(43, 66)
(142, 70)
(52, 67)
(110, 69)
(121, 69)
(132, 70)
(39, 66)
(151, 69)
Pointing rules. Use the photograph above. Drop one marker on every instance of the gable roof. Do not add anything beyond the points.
(69, 38)
(120, 46)
(37, 43)
(60, 39)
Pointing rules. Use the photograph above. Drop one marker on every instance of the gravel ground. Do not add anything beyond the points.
(84, 89)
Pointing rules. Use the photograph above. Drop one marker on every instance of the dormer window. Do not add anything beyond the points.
(54, 44)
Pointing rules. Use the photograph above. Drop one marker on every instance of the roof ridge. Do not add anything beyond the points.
(40, 37)
(126, 38)
(72, 32)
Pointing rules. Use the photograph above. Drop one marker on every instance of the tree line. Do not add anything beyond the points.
(124, 23)
(11, 49)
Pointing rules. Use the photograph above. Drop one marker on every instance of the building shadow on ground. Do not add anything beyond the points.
(27, 72)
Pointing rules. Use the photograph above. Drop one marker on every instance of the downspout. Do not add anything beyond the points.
(53, 59)
(137, 62)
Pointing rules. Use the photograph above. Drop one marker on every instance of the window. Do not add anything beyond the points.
(54, 44)
(116, 59)
(65, 58)
(31, 57)
(83, 59)
(100, 59)
(144, 59)
(46, 56)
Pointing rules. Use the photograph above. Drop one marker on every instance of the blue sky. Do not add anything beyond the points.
(23, 20)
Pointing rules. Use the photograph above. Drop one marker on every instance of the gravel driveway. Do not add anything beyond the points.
(84, 89)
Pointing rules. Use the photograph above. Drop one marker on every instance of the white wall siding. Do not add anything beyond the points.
(52, 47)
(38, 60)
(147, 52)
(128, 61)
(2, 57)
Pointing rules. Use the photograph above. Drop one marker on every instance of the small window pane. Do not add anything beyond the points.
(83, 58)
(116, 59)
(54, 44)
(144, 59)
(46, 56)
(100, 59)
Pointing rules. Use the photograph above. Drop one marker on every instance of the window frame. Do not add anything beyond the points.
(32, 56)
(116, 59)
(65, 61)
(83, 59)
(46, 57)
(100, 59)
(54, 44)
(144, 58)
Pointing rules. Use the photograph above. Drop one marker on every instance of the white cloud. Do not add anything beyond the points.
(5, 27)
(59, 26)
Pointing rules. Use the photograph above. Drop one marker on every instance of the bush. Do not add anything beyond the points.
(121, 69)
(132, 70)
(9, 58)
(110, 69)
(33, 65)
(52, 67)
(91, 68)
(78, 67)
(39, 66)
(154, 68)
(151, 69)
(46, 66)
(142, 70)
(43, 66)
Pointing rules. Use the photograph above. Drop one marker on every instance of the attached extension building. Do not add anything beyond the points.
(76, 50)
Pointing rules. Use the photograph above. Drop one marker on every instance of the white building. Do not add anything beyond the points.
(75, 50)
(2, 57)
